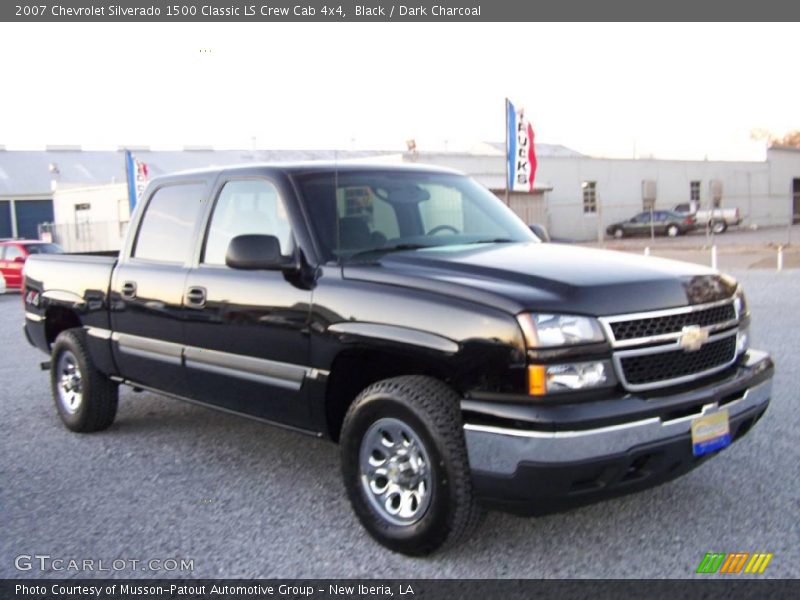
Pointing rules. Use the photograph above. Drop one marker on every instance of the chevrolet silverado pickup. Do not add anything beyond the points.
(408, 314)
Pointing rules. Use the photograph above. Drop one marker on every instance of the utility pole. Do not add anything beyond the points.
(652, 225)
(508, 158)
(600, 230)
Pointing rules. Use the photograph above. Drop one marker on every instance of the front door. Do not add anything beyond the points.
(639, 225)
(247, 348)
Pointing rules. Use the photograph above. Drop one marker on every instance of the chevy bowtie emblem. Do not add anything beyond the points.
(692, 338)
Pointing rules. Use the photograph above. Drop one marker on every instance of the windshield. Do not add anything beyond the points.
(359, 213)
(43, 249)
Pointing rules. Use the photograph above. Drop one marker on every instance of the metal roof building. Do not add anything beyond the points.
(29, 178)
(575, 195)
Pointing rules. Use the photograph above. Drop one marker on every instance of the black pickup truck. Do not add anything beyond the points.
(407, 314)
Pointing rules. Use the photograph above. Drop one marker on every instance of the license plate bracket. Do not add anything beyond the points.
(710, 433)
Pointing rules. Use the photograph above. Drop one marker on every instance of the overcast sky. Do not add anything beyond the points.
(673, 91)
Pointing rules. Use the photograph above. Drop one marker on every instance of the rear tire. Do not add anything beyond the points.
(673, 231)
(405, 465)
(86, 399)
(718, 227)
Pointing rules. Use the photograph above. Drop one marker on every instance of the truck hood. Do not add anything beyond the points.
(548, 277)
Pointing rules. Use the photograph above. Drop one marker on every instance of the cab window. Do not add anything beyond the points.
(246, 207)
(165, 234)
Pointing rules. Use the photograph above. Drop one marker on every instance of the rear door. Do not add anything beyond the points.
(147, 285)
(247, 343)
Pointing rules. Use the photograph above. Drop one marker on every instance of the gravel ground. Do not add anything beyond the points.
(171, 480)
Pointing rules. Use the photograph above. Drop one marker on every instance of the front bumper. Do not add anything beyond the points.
(550, 466)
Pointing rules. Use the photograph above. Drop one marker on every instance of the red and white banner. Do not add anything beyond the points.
(520, 150)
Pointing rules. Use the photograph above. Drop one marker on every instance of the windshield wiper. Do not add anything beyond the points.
(494, 241)
(384, 249)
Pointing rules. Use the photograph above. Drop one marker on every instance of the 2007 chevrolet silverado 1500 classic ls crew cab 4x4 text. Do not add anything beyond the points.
(408, 314)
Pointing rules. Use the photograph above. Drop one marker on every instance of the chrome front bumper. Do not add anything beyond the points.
(499, 451)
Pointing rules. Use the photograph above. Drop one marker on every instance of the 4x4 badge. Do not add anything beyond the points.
(692, 338)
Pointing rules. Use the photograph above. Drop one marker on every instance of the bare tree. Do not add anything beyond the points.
(790, 138)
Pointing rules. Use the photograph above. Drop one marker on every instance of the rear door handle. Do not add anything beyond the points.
(129, 289)
(196, 297)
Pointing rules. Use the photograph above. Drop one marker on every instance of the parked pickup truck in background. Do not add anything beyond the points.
(717, 219)
(407, 314)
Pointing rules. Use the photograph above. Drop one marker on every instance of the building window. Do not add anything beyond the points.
(589, 196)
(694, 191)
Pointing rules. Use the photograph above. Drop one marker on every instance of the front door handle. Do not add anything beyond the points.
(129, 290)
(196, 297)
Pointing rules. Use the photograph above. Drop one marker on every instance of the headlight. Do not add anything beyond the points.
(547, 331)
(740, 303)
(742, 342)
(547, 379)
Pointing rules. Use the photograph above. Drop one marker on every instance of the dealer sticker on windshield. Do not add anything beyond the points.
(710, 433)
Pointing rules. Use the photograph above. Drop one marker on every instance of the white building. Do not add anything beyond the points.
(577, 196)
(93, 218)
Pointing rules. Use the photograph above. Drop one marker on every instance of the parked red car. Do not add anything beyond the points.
(13, 254)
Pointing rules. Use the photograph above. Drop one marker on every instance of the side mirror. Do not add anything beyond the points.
(540, 231)
(255, 252)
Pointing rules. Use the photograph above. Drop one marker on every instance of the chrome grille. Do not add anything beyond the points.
(666, 366)
(647, 346)
(654, 326)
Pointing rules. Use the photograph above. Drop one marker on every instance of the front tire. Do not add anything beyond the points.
(86, 399)
(619, 233)
(405, 465)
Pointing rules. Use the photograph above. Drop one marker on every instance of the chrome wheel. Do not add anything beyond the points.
(70, 388)
(395, 472)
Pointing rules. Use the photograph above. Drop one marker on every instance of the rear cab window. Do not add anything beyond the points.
(165, 233)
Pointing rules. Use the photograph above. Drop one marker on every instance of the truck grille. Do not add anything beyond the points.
(667, 366)
(649, 350)
(673, 323)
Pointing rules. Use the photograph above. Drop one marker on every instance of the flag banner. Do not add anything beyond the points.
(520, 151)
(137, 173)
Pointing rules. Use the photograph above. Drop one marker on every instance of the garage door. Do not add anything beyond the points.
(529, 207)
(30, 214)
(5, 219)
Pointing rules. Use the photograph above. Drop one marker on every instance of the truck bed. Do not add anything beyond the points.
(70, 273)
